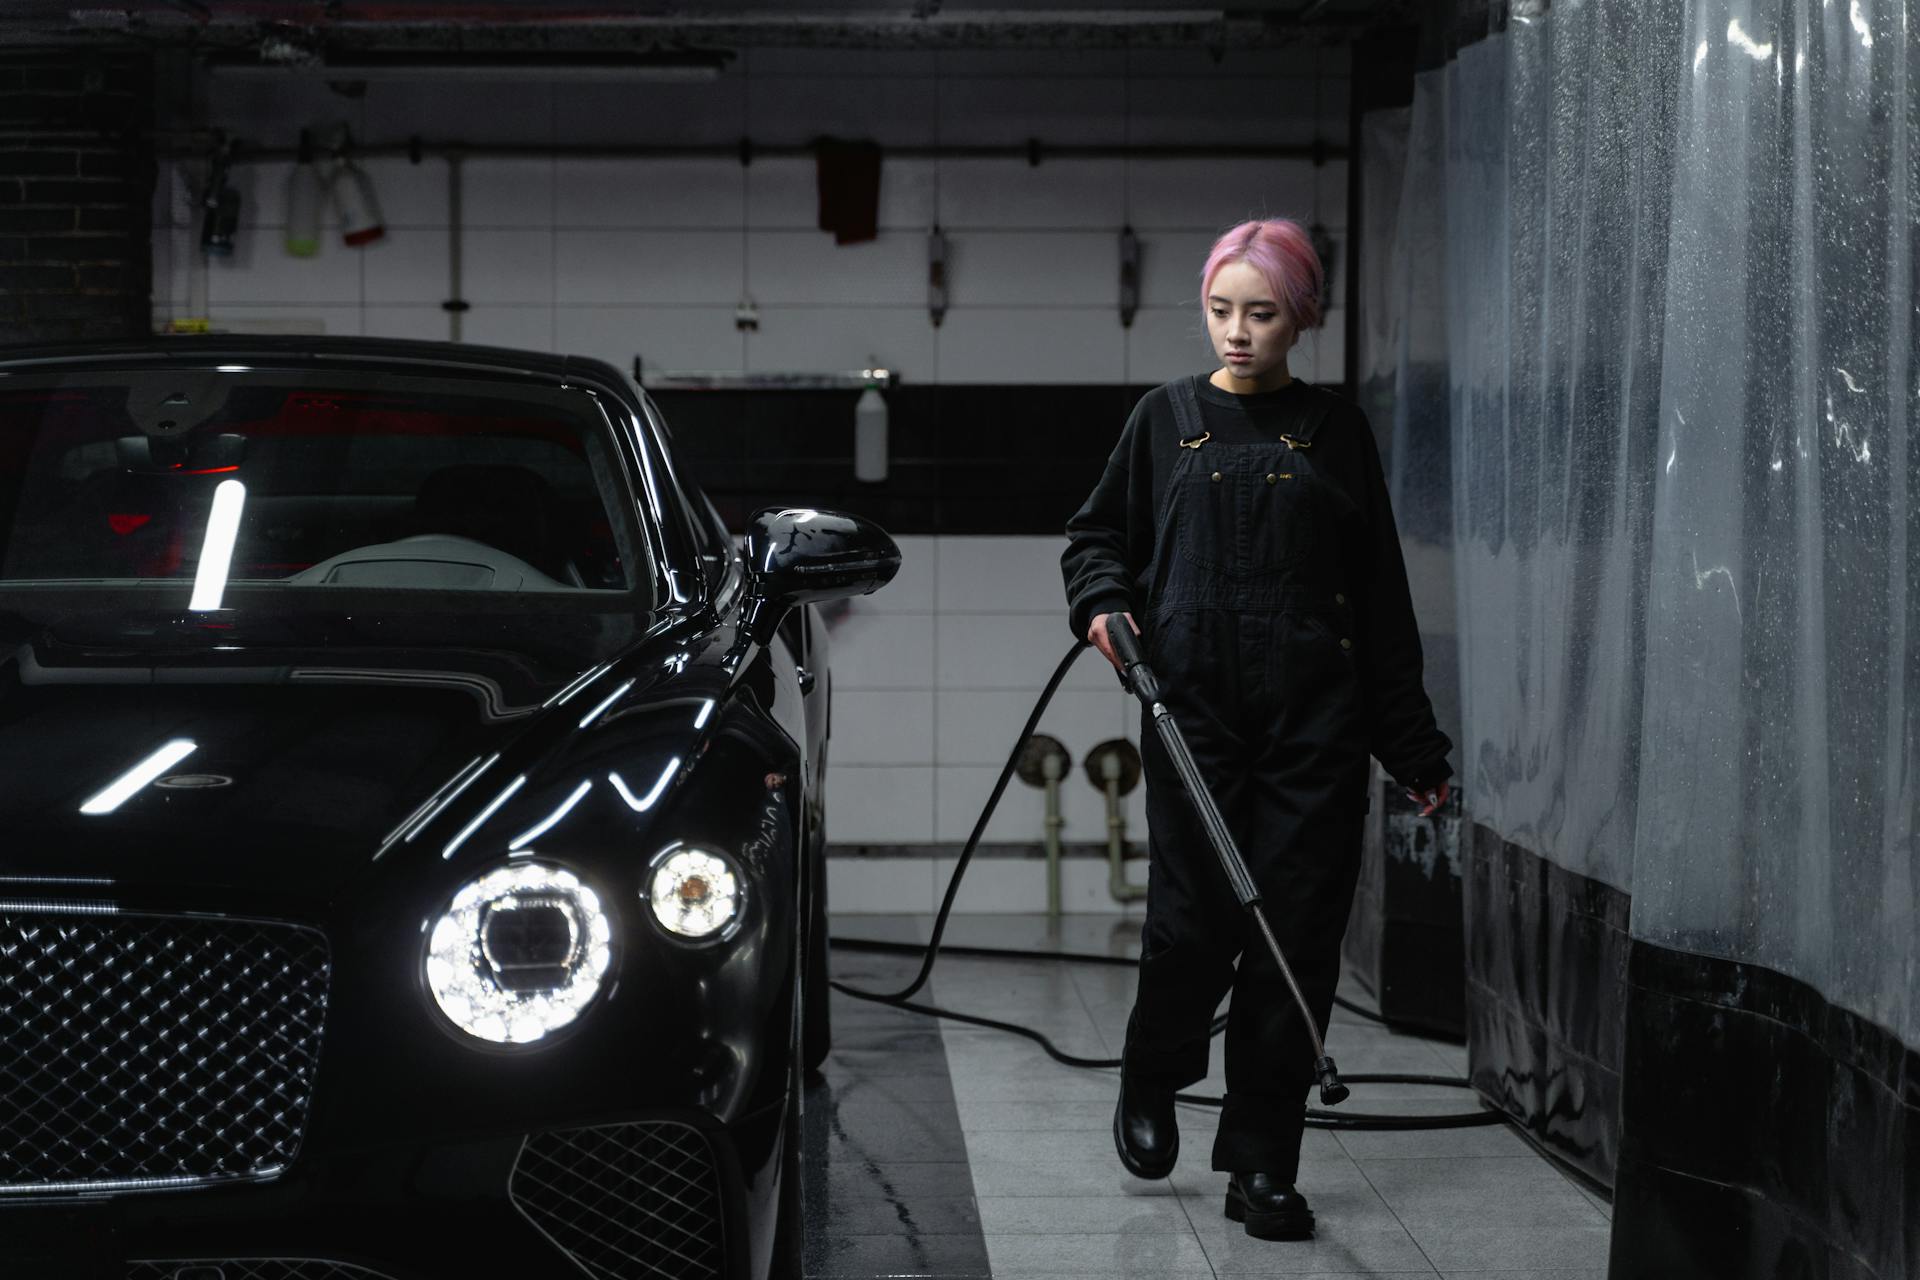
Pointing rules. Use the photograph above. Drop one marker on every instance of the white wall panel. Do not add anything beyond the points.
(876, 726)
(647, 192)
(1166, 343)
(883, 651)
(857, 886)
(1014, 651)
(1029, 268)
(879, 804)
(647, 268)
(808, 268)
(1063, 192)
(410, 195)
(507, 192)
(806, 338)
(1002, 574)
(665, 337)
(510, 326)
(261, 270)
(784, 192)
(425, 322)
(1032, 344)
(978, 726)
(1213, 193)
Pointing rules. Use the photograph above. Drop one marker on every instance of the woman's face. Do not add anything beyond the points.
(1250, 329)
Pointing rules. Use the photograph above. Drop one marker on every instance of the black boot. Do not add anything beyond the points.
(1272, 1210)
(1144, 1131)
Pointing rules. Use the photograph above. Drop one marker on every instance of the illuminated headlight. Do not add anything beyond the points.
(694, 892)
(519, 953)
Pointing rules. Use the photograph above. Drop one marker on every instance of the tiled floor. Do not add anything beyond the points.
(1049, 1198)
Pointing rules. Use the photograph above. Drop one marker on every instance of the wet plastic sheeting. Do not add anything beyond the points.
(1778, 791)
(1554, 138)
(1678, 293)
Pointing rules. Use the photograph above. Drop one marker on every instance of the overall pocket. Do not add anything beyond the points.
(1246, 525)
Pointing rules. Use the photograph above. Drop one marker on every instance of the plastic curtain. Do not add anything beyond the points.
(1661, 257)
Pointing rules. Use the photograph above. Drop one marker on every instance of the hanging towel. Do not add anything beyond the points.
(849, 175)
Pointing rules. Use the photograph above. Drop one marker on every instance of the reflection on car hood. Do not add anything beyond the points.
(304, 759)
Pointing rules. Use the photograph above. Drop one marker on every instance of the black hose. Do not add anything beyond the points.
(902, 999)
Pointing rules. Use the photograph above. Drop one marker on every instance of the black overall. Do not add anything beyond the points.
(1251, 632)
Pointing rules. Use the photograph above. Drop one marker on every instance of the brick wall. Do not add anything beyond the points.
(76, 190)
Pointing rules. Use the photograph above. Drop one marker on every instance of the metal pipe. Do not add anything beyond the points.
(1118, 885)
(1052, 766)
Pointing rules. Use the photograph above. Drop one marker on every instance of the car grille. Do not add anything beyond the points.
(625, 1201)
(144, 1052)
(248, 1269)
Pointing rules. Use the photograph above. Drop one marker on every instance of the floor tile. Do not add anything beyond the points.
(1468, 1247)
(1129, 1254)
(1082, 1215)
(1478, 1142)
(1336, 1248)
(982, 1116)
(1033, 1176)
(1492, 1194)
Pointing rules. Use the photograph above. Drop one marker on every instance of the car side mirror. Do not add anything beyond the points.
(798, 555)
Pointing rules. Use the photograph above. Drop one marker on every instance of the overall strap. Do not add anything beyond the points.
(1186, 407)
(1323, 404)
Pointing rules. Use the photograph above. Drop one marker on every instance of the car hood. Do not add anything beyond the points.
(299, 755)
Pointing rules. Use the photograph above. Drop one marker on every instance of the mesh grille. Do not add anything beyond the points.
(153, 1048)
(625, 1201)
(248, 1269)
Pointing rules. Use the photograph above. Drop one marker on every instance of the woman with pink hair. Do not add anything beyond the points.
(1243, 517)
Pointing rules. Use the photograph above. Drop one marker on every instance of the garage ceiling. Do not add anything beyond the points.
(305, 32)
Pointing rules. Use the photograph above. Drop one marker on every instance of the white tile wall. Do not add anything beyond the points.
(934, 675)
(1033, 266)
(947, 673)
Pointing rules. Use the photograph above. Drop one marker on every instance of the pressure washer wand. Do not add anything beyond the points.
(1139, 680)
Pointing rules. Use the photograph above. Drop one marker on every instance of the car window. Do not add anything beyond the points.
(359, 478)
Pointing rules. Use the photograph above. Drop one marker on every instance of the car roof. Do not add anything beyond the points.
(312, 349)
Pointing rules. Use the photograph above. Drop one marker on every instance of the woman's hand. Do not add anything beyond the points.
(1097, 635)
(1433, 798)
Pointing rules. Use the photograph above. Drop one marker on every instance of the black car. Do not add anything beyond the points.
(411, 821)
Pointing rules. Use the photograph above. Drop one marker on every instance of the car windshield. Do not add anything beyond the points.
(192, 481)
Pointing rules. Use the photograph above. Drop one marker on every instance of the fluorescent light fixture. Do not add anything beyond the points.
(216, 550)
(505, 795)
(640, 804)
(606, 702)
(122, 788)
(546, 824)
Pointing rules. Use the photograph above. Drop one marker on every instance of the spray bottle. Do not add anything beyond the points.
(306, 192)
(354, 199)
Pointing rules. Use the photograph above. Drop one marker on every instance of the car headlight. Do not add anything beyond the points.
(694, 892)
(519, 953)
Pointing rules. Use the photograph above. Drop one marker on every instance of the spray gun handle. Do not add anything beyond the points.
(1135, 674)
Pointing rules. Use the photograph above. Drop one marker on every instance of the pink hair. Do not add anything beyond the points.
(1280, 250)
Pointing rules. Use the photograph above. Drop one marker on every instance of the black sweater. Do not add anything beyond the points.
(1110, 548)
